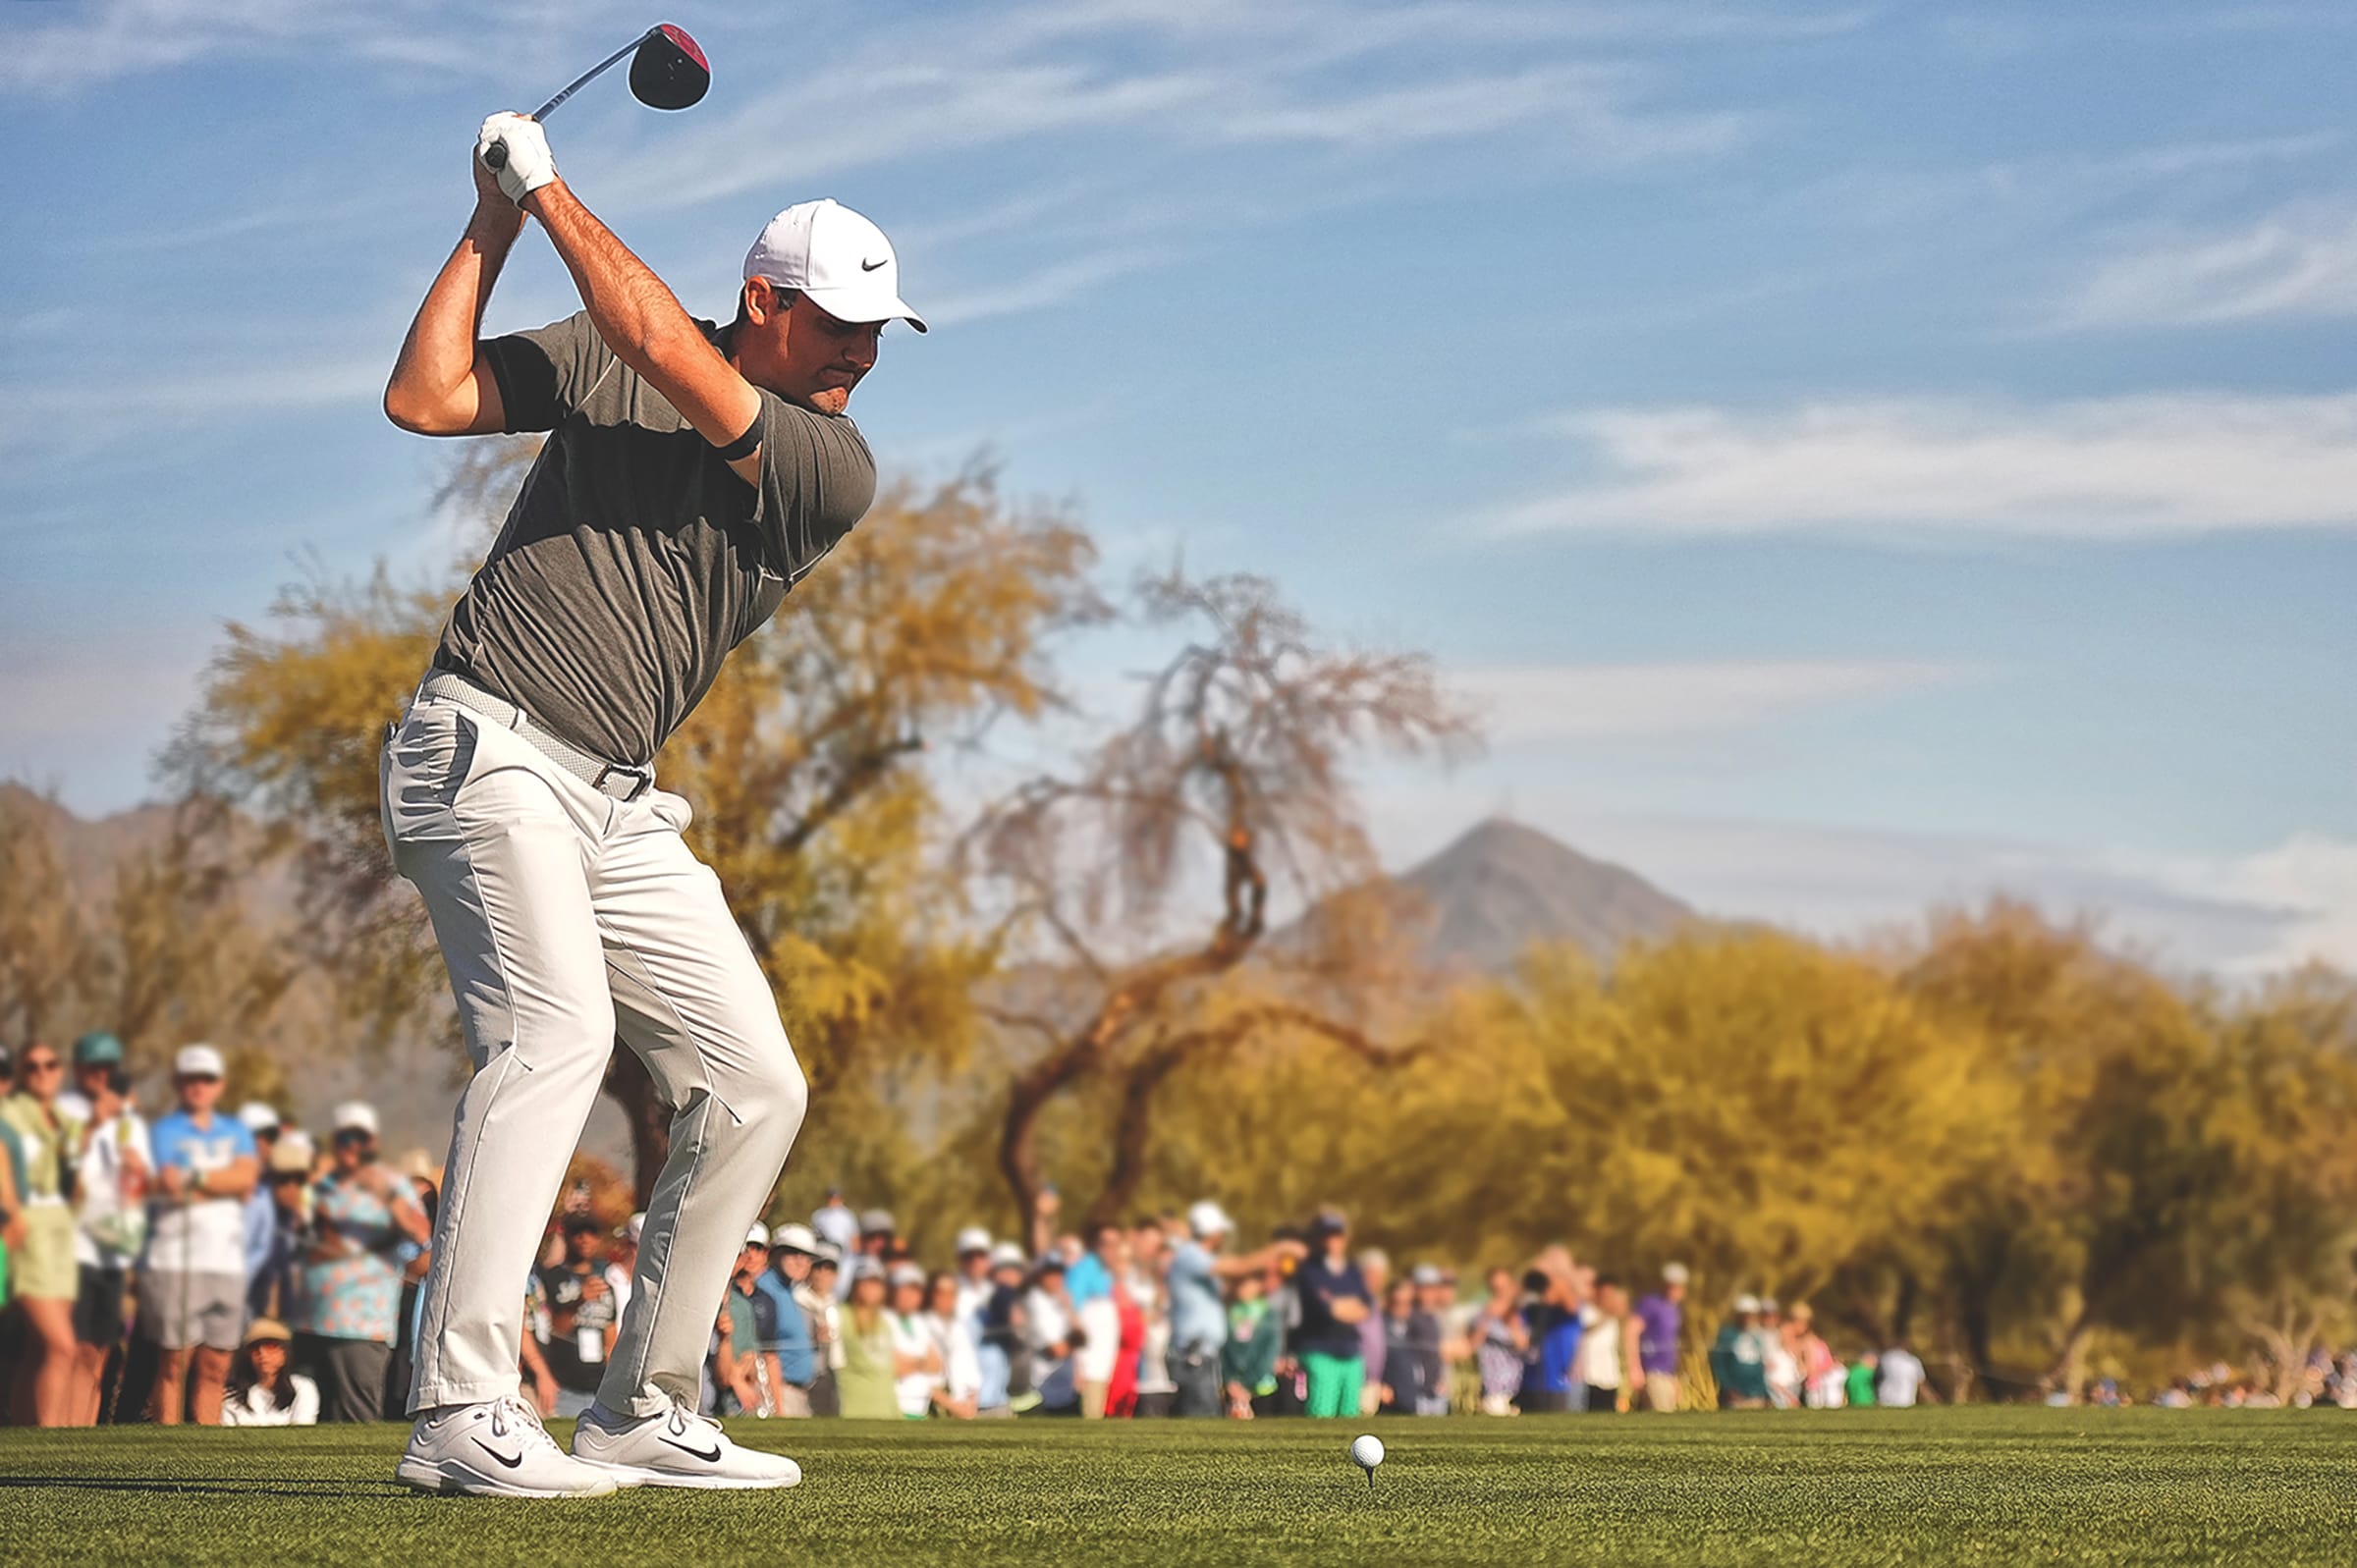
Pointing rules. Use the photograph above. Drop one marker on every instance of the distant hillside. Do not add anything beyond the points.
(1504, 885)
(91, 849)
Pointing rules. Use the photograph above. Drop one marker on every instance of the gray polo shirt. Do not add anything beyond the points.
(633, 558)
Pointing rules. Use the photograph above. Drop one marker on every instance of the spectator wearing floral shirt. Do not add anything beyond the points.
(367, 1223)
(1501, 1340)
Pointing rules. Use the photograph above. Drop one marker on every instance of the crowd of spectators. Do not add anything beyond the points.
(1165, 1316)
(225, 1267)
(211, 1267)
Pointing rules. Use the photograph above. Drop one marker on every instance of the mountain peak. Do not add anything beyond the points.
(1504, 885)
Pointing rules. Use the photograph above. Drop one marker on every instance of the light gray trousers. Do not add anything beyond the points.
(567, 917)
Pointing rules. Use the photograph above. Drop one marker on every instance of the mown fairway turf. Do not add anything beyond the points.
(1993, 1487)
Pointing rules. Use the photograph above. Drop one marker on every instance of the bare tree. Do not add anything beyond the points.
(1169, 836)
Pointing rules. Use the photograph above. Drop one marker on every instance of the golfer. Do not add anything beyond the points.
(692, 474)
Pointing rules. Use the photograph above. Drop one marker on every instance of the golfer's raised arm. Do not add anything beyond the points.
(441, 385)
(644, 324)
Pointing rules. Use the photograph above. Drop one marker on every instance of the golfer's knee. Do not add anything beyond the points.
(771, 1093)
(785, 1094)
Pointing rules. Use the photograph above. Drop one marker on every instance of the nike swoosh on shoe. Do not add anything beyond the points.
(712, 1458)
(496, 1454)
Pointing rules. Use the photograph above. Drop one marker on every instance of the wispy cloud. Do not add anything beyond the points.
(1164, 78)
(65, 421)
(1526, 703)
(1592, 108)
(2124, 468)
(2299, 261)
(61, 50)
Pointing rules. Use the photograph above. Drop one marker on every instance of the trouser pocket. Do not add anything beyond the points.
(427, 760)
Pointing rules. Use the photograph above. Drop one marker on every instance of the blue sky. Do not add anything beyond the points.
(1862, 455)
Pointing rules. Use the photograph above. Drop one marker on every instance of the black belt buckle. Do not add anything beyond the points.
(641, 781)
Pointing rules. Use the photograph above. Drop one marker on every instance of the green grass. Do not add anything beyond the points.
(1998, 1487)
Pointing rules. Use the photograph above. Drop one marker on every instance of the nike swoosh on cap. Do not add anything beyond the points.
(871, 267)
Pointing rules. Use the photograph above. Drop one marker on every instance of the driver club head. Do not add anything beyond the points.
(668, 70)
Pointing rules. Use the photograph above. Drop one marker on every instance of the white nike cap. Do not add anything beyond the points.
(197, 1062)
(1207, 1219)
(836, 258)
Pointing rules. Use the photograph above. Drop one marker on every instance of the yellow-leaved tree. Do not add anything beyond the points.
(806, 765)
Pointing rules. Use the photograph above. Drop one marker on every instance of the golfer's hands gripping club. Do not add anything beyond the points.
(515, 148)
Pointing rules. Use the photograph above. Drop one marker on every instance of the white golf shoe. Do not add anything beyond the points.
(497, 1449)
(678, 1449)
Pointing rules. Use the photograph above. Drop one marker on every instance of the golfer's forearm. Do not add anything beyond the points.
(437, 358)
(632, 310)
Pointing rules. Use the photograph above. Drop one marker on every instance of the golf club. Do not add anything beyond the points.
(667, 72)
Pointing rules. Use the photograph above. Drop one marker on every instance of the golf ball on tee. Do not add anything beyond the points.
(1367, 1451)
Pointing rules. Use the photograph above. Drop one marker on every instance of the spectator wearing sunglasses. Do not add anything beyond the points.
(366, 1224)
(110, 1193)
(46, 1283)
(192, 1298)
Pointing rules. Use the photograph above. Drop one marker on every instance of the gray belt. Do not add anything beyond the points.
(606, 778)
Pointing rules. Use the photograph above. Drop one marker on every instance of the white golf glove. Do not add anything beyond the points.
(530, 164)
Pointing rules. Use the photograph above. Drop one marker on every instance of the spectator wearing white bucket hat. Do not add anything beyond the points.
(789, 1351)
(366, 1225)
(1198, 1315)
